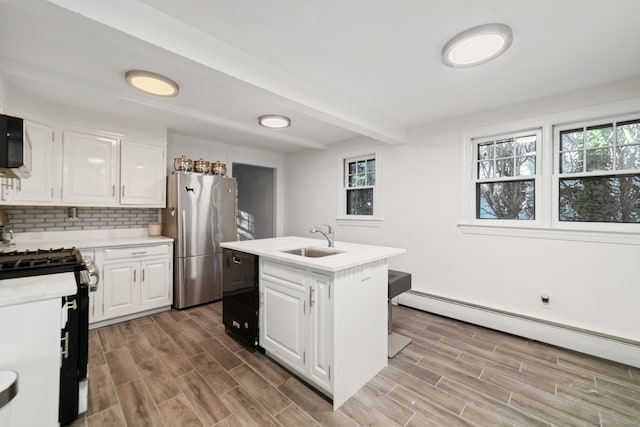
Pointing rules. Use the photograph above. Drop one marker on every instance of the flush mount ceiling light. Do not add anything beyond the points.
(477, 45)
(274, 121)
(152, 83)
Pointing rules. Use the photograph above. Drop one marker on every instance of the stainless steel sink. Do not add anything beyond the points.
(312, 252)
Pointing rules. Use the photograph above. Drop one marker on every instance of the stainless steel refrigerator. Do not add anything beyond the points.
(200, 215)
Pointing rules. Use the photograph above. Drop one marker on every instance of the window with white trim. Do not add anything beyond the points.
(599, 172)
(359, 186)
(585, 174)
(505, 176)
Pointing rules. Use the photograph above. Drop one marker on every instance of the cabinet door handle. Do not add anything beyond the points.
(123, 191)
(143, 274)
(113, 190)
(310, 297)
(134, 276)
(236, 260)
(139, 253)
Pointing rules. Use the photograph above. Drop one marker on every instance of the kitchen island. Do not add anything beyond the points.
(324, 318)
(31, 318)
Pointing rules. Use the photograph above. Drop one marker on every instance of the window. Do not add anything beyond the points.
(360, 180)
(358, 186)
(505, 176)
(599, 172)
(579, 180)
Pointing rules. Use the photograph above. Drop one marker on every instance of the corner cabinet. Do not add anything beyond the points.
(134, 281)
(296, 320)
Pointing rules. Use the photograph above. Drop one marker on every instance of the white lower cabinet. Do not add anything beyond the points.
(133, 279)
(30, 343)
(284, 322)
(121, 290)
(321, 329)
(296, 320)
(155, 285)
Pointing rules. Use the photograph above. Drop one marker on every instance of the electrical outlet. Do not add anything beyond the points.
(544, 300)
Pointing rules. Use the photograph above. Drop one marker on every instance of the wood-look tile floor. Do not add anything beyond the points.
(180, 368)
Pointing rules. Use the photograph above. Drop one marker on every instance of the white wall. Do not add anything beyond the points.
(4, 100)
(211, 151)
(593, 286)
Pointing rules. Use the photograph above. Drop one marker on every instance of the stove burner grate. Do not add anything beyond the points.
(37, 262)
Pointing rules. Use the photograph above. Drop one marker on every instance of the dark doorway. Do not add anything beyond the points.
(256, 201)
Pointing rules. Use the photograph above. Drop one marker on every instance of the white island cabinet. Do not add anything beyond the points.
(325, 318)
(32, 315)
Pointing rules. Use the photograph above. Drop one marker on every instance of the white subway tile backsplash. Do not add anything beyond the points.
(48, 218)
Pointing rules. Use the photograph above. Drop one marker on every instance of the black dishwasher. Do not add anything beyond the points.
(240, 298)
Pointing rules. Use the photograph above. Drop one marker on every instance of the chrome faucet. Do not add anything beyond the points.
(328, 235)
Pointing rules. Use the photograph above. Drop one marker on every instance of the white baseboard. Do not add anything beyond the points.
(115, 320)
(593, 343)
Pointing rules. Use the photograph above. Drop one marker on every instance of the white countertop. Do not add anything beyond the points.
(353, 254)
(83, 239)
(36, 288)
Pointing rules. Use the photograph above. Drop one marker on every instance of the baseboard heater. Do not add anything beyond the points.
(585, 341)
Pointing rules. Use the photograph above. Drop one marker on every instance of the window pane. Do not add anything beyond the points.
(600, 199)
(572, 161)
(628, 157)
(485, 170)
(371, 179)
(353, 181)
(526, 166)
(599, 136)
(504, 148)
(600, 159)
(504, 167)
(352, 168)
(360, 202)
(371, 165)
(629, 132)
(505, 200)
(485, 151)
(571, 140)
(362, 166)
(525, 145)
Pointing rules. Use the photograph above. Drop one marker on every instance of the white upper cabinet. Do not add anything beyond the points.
(89, 169)
(43, 186)
(86, 168)
(103, 170)
(142, 174)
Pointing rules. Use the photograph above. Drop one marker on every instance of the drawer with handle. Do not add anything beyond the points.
(136, 252)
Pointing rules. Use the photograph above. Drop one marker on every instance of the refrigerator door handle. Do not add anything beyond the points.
(183, 233)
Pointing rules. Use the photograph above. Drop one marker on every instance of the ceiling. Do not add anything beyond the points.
(339, 69)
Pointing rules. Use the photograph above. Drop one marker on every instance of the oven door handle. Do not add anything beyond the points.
(95, 279)
(65, 352)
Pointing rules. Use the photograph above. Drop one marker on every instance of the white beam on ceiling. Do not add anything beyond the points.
(143, 22)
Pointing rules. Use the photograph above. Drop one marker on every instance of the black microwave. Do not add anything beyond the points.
(15, 148)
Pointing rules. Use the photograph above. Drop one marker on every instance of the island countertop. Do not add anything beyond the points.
(34, 288)
(351, 255)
